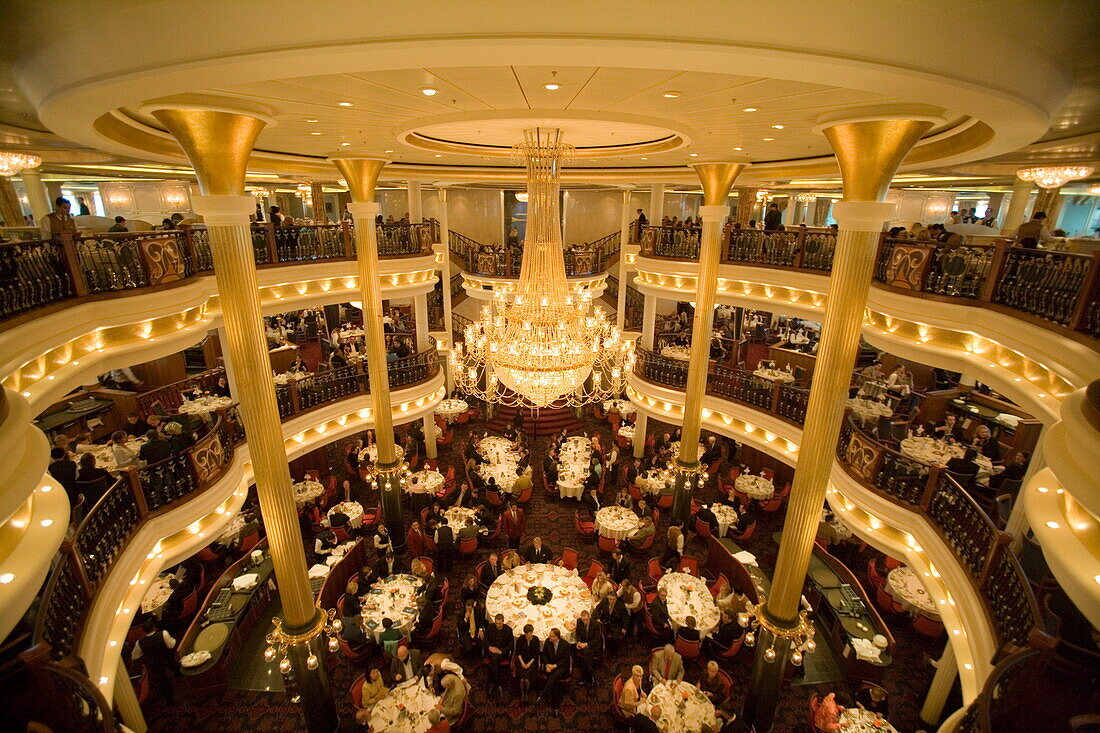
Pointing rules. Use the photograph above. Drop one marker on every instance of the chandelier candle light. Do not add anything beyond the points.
(1054, 176)
(12, 163)
(544, 343)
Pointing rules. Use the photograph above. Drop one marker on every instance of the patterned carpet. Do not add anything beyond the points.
(584, 708)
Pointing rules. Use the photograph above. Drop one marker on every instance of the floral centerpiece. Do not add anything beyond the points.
(539, 596)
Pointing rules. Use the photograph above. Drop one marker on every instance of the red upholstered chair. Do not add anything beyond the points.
(341, 533)
(713, 467)
(467, 546)
(878, 580)
(350, 653)
(615, 421)
(594, 569)
(928, 626)
(569, 558)
(433, 633)
(250, 541)
(731, 651)
(209, 554)
(773, 504)
(747, 534)
(616, 694)
(657, 634)
(815, 700)
(665, 501)
(720, 585)
(585, 528)
(689, 564)
(624, 444)
(654, 569)
(606, 543)
(493, 497)
(727, 686)
(188, 605)
(429, 564)
(371, 516)
(141, 688)
(767, 473)
(525, 495)
(702, 528)
(892, 563)
(357, 691)
(424, 518)
(886, 602)
(687, 649)
(635, 492)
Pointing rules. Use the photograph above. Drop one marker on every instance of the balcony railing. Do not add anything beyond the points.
(920, 487)
(40, 273)
(1060, 288)
(491, 260)
(88, 556)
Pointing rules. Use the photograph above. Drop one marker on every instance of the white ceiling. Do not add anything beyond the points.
(710, 106)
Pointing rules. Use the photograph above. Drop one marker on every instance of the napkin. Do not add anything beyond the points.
(195, 659)
(245, 581)
(745, 557)
(319, 571)
(866, 650)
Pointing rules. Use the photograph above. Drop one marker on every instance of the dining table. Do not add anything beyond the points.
(755, 487)
(105, 455)
(683, 708)
(774, 375)
(623, 407)
(292, 377)
(574, 465)
(204, 405)
(425, 481)
(616, 522)
(450, 409)
(869, 410)
(627, 432)
(858, 720)
(543, 595)
(654, 481)
(404, 709)
(904, 585)
(396, 597)
(306, 491)
(158, 594)
(726, 516)
(938, 452)
(353, 510)
(674, 446)
(683, 353)
(688, 595)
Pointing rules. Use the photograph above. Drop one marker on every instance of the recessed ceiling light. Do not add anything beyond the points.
(777, 127)
(768, 139)
(439, 155)
(672, 94)
(7, 578)
(695, 155)
(311, 120)
(344, 145)
(345, 104)
(314, 133)
(387, 151)
(737, 148)
(551, 86)
(429, 91)
(644, 158)
(749, 109)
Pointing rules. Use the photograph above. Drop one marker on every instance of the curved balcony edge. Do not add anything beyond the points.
(899, 527)
(46, 358)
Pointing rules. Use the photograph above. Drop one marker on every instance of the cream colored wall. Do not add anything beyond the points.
(394, 203)
(476, 214)
(927, 208)
(681, 205)
(590, 215)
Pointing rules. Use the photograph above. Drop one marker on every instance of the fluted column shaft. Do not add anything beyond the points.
(1017, 206)
(624, 241)
(36, 195)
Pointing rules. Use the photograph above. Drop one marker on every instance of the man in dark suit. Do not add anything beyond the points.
(555, 665)
(405, 665)
(444, 545)
(711, 452)
(773, 219)
(706, 514)
(64, 470)
(592, 499)
(614, 617)
(589, 644)
(498, 643)
(490, 571)
(619, 566)
(966, 466)
(658, 610)
(388, 565)
(538, 552)
(156, 450)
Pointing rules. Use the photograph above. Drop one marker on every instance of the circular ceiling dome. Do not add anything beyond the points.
(594, 135)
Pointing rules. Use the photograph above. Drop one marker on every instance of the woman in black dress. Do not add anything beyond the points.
(527, 659)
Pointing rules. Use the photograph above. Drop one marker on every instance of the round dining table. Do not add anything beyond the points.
(755, 487)
(353, 510)
(774, 375)
(654, 481)
(204, 405)
(904, 586)
(689, 595)
(425, 481)
(158, 594)
(627, 432)
(306, 491)
(869, 410)
(450, 409)
(684, 708)
(858, 720)
(726, 516)
(683, 353)
(543, 595)
(616, 522)
(404, 709)
(396, 597)
(939, 452)
(623, 406)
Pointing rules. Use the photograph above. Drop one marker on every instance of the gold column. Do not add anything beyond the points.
(1017, 207)
(1049, 200)
(746, 203)
(36, 195)
(624, 242)
(362, 177)
(218, 145)
(869, 150)
(11, 213)
(716, 178)
(317, 196)
(445, 272)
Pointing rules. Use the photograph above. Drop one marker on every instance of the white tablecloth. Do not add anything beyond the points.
(616, 522)
(684, 708)
(105, 455)
(426, 481)
(508, 595)
(904, 585)
(726, 516)
(450, 409)
(677, 352)
(870, 410)
(623, 406)
(306, 491)
(574, 465)
(774, 375)
(855, 720)
(627, 431)
(203, 405)
(369, 454)
(502, 459)
(353, 509)
(290, 377)
(157, 595)
(654, 482)
(396, 598)
(232, 531)
(754, 487)
(674, 446)
(689, 596)
(404, 710)
(457, 516)
(939, 452)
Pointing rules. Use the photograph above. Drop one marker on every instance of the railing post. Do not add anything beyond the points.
(800, 247)
(996, 268)
(930, 488)
(189, 247)
(1001, 540)
(774, 409)
(1089, 286)
(345, 232)
(133, 483)
(295, 399)
(72, 264)
(269, 239)
(71, 555)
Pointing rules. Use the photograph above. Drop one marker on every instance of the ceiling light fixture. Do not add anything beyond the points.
(1053, 176)
(737, 148)
(345, 104)
(694, 155)
(429, 91)
(314, 133)
(749, 109)
(344, 145)
(439, 155)
(768, 139)
(311, 120)
(11, 163)
(672, 94)
(777, 127)
(551, 86)
(387, 151)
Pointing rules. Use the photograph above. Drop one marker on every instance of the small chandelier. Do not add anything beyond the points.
(763, 194)
(304, 191)
(805, 198)
(257, 192)
(1053, 176)
(12, 163)
(801, 635)
(542, 342)
(280, 641)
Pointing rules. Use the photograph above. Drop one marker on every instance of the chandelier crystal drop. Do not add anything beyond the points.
(540, 343)
(805, 197)
(1053, 176)
(12, 163)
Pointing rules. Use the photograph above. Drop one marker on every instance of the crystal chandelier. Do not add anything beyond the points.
(801, 636)
(541, 344)
(12, 163)
(1053, 176)
(304, 191)
(804, 198)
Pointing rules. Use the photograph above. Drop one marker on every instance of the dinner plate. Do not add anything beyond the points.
(210, 638)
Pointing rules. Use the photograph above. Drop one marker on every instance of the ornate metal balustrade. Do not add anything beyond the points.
(581, 260)
(32, 275)
(140, 493)
(927, 490)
